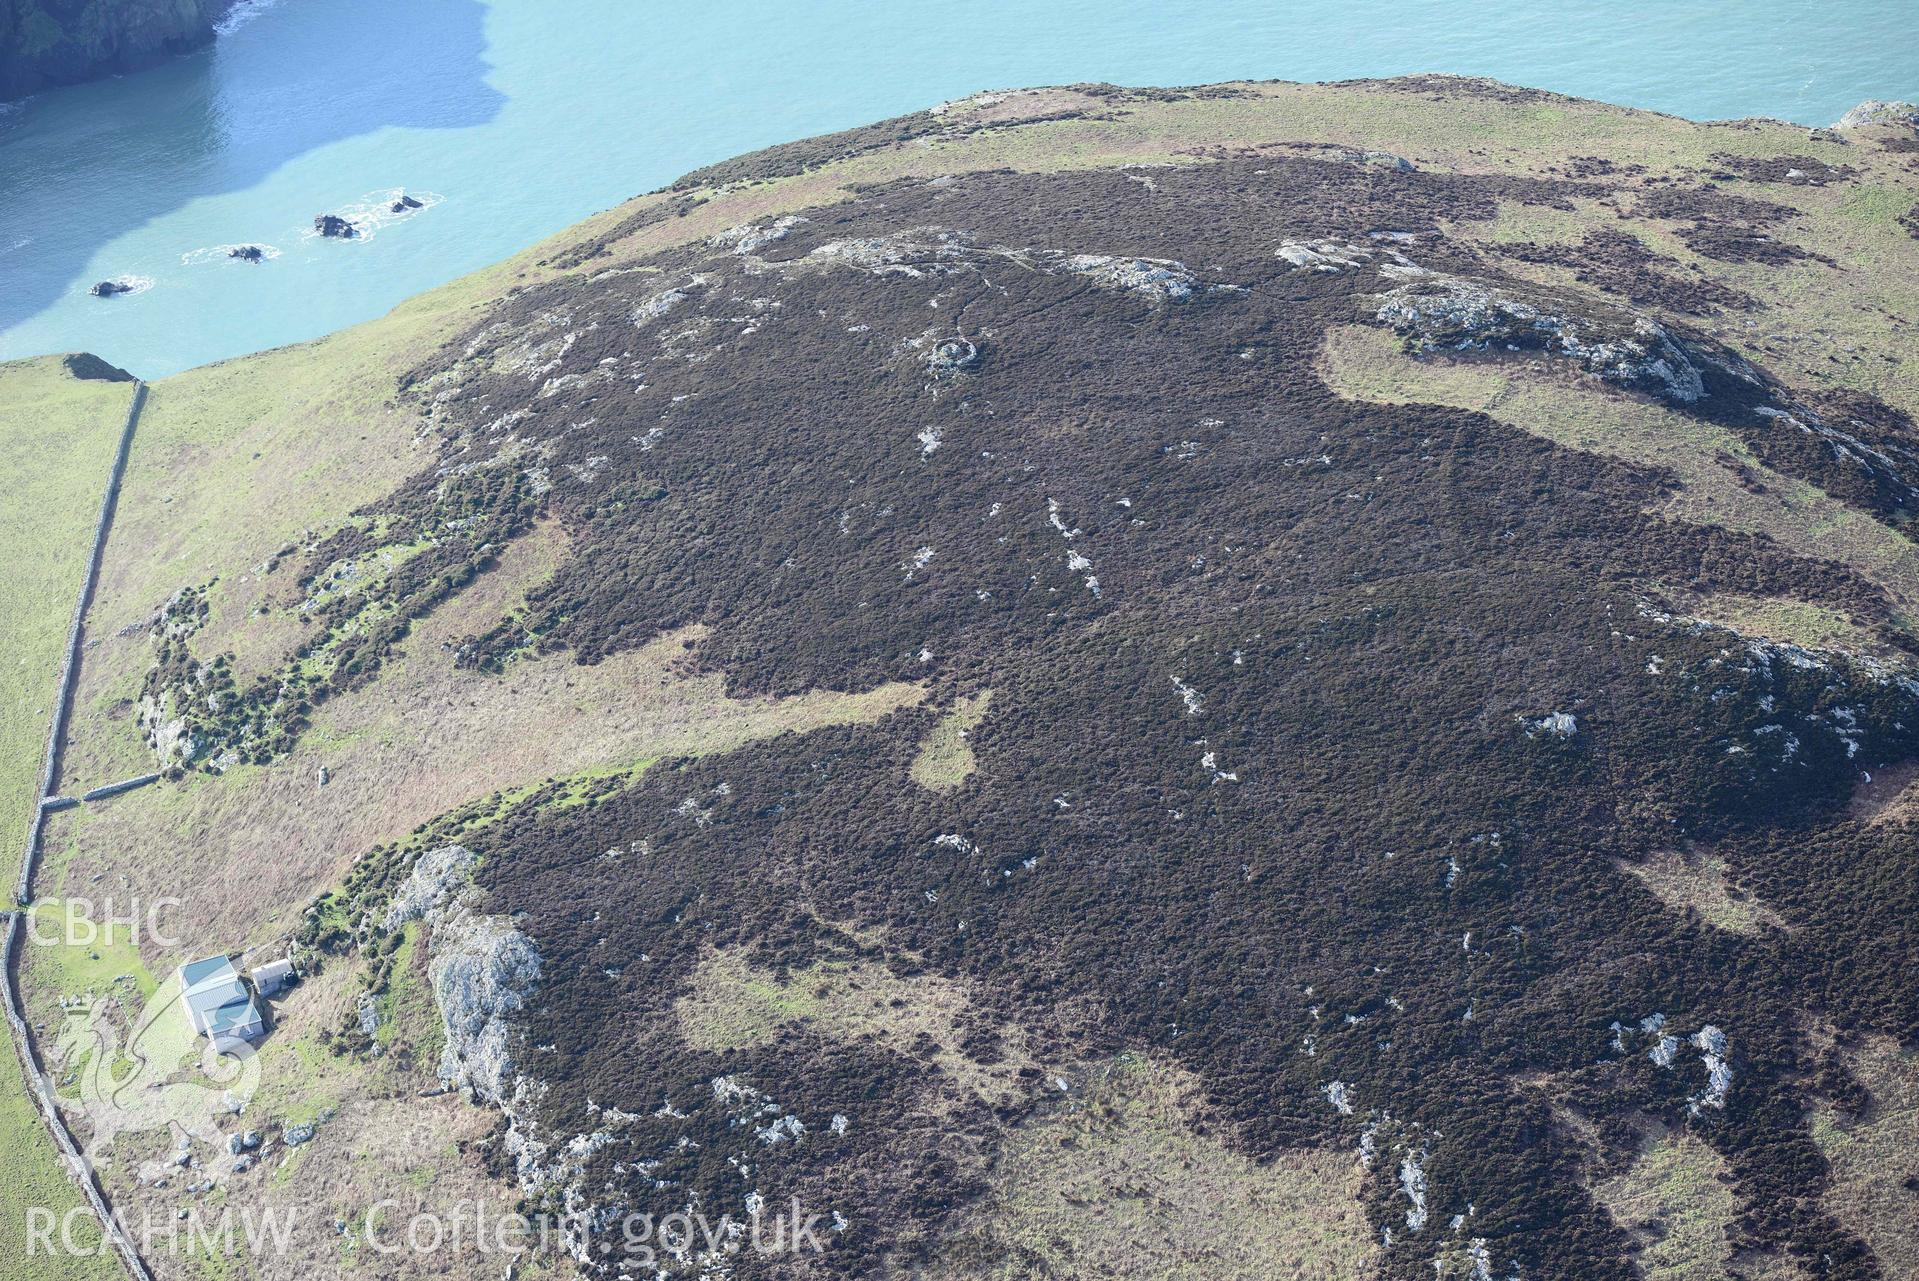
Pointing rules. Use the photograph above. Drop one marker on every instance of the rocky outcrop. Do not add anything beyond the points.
(108, 288)
(1876, 112)
(170, 736)
(86, 365)
(1322, 255)
(1437, 312)
(482, 968)
(1156, 278)
(45, 44)
(403, 204)
(334, 227)
(247, 253)
(482, 971)
(435, 876)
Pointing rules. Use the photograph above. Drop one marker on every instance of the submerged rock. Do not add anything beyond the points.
(247, 253)
(403, 204)
(108, 288)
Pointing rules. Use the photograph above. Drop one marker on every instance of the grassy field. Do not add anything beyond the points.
(88, 958)
(423, 741)
(946, 759)
(1699, 882)
(731, 1004)
(233, 462)
(1673, 1198)
(57, 436)
(1117, 1182)
(1789, 622)
(1820, 318)
(1868, 1150)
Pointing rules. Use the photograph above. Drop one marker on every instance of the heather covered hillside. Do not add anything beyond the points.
(1265, 680)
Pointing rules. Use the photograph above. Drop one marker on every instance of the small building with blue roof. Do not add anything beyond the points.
(219, 1004)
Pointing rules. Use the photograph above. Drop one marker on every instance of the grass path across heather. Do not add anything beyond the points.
(1368, 364)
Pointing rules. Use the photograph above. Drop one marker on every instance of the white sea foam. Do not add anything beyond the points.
(221, 253)
(241, 14)
(374, 210)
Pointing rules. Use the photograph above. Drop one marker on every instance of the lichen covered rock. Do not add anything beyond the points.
(1158, 278)
(1438, 312)
(482, 970)
(1875, 111)
(435, 876)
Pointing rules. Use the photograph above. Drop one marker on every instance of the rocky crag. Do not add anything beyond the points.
(44, 45)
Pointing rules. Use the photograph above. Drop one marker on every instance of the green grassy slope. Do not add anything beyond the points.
(57, 436)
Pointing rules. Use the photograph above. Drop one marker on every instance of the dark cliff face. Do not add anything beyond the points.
(47, 43)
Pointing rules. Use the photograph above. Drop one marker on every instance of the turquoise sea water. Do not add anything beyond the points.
(513, 118)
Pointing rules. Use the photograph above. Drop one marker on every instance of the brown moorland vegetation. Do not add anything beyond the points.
(1345, 716)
